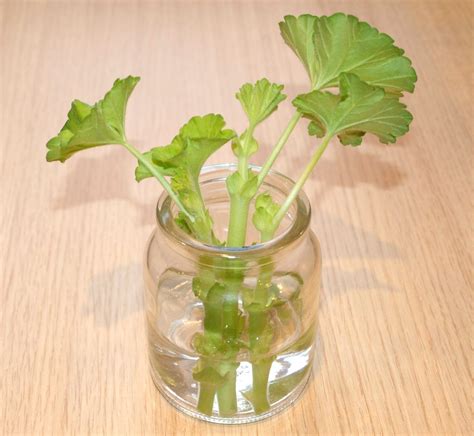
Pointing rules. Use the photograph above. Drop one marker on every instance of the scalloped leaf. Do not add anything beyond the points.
(183, 160)
(330, 45)
(93, 126)
(360, 108)
(260, 100)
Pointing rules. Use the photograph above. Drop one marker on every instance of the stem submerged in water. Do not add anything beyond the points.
(207, 392)
(227, 393)
(225, 320)
(259, 320)
(260, 375)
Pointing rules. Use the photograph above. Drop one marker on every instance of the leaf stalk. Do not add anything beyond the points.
(161, 178)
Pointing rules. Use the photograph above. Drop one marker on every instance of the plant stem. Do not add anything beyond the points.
(243, 166)
(278, 147)
(299, 184)
(229, 311)
(207, 392)
(239, 208)
(260, 374)
(227, 392)
(220, 322)
(161, 178)
(258, 321)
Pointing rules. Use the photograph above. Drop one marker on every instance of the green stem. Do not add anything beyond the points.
(227, 392)
(239, 208)
(243, 167)
(278, 147)
(212, 328)
(299, 184)
(260, 374)
(161, 178)
(207, 392)
(258, 320)
(243, 157)
(230, 309)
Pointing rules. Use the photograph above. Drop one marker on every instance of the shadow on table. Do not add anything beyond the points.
(337, 279)
(108, 175)
(115, 295)
(349, 167)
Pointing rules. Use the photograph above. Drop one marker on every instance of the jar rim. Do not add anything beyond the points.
(298, 226)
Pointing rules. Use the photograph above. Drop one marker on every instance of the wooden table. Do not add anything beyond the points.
(395, 223)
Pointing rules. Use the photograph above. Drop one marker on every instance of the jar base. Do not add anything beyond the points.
(244, 418)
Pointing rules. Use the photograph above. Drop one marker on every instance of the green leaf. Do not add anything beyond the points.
(329, 46)
(182, 222)
(260, 100)
(200, 137)
(265, 211)
(316, 128)
(244, 145)
(236, 185)
(92, 126)
(360, 108)
(298, 33)
(183, 160)
(142, 172)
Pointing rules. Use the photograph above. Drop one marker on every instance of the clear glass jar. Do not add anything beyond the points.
(231, 330)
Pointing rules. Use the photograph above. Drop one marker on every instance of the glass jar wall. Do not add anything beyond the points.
(231, 330)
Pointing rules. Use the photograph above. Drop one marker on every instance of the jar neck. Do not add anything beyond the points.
(214, 192)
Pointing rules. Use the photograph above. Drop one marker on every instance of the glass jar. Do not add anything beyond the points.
(231, 330)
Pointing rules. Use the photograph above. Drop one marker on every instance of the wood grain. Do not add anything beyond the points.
(395, 223)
